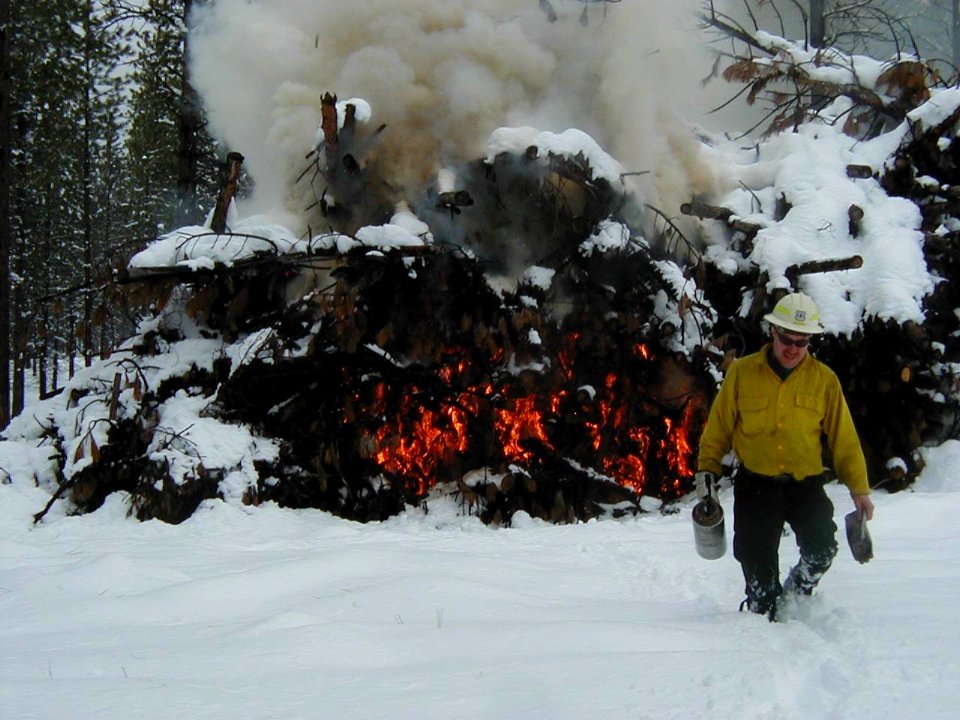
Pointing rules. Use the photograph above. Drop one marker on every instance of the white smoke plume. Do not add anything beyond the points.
(443, 74)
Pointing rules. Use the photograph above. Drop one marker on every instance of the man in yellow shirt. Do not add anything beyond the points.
(774, 409)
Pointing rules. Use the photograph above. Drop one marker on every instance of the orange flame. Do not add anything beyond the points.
(416, 443)
(566, 355)
(521, 421)
(643, 351)
(678, 447)
(417, 440)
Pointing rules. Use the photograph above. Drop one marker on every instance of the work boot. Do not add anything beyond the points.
(803, 578)
(767, 607)
(794, 586)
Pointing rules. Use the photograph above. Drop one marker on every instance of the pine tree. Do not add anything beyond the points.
(6, 234)
(65, 100)
(102, 48)
(39, 216)
(172, 167)
(103, 144)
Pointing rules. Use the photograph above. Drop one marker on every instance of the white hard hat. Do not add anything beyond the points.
(797, 313)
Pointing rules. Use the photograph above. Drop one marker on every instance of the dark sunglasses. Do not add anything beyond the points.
(800, 343)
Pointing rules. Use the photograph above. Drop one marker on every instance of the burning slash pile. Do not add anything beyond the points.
(507, 333)
(357, 370)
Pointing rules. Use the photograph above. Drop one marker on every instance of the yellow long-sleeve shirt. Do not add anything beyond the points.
(775, 426)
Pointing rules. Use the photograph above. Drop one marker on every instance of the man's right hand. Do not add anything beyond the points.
(706, 483)
(864, 506)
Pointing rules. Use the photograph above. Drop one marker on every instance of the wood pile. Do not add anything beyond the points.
(411, 372)
(382, 375)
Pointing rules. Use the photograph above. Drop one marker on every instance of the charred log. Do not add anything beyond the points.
(859, 171)
(725, 215)
(231, 180)
(415, 380)
(793, 272)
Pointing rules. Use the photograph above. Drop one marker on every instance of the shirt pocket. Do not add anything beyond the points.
(753, 414)
(810, 403)
(810, 411)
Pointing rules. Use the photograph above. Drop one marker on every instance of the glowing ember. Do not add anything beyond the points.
(629, 471)
(463, 425)
(417, 440)
(521, 421)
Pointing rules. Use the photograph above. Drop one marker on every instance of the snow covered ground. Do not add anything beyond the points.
(270, 613)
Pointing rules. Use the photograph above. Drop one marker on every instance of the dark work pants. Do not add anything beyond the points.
(761, 506)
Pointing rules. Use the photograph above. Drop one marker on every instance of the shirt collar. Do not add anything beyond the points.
(780, 371)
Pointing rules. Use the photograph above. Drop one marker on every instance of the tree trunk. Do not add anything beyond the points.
(955, 31)
(189, 124)
(72, 348)
(231, 178)
(817, 25)
(42, 369)
(87, 189)
(43, 309)
(6, 230)
(19, 345)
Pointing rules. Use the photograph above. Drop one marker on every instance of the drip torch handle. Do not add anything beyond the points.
(706, 483)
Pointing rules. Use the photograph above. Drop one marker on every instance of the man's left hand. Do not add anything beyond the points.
(864, 506)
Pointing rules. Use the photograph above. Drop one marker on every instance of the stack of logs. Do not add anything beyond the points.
(567, 399)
